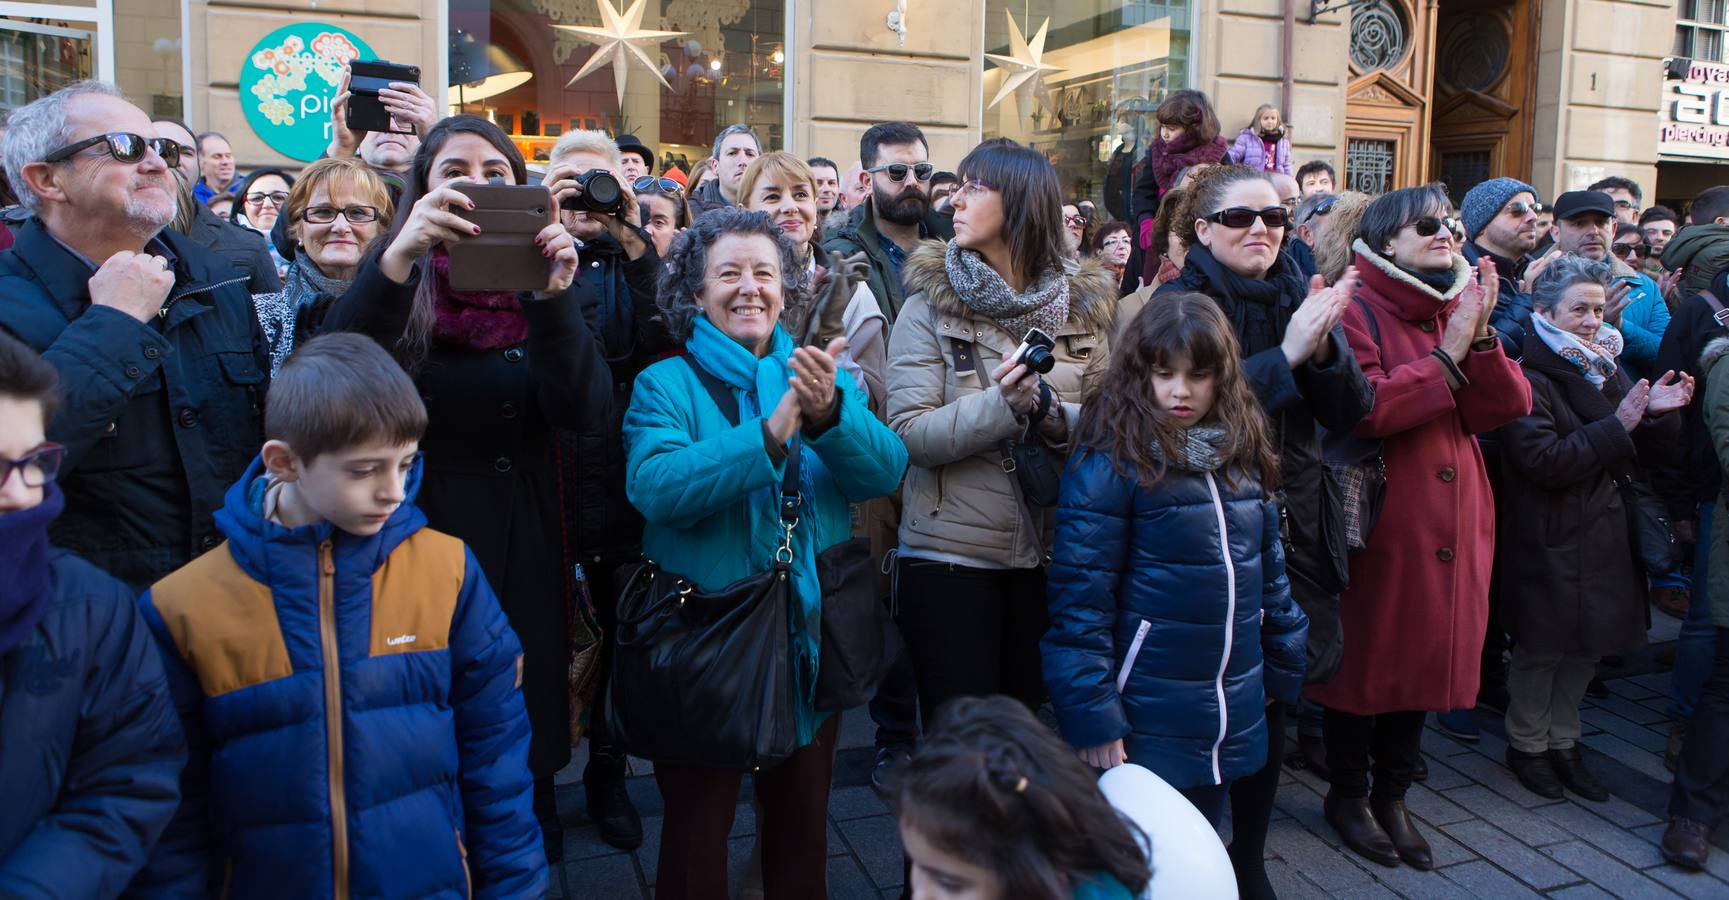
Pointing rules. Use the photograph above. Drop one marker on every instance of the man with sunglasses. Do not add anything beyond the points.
(1500, 219)
(163, 360)
(244, 248)
(1307, 218)
(896, 215)
(93, 749)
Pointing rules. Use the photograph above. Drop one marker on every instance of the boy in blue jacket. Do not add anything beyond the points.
(350, 689)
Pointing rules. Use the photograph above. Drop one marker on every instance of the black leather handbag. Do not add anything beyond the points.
(1649, 527)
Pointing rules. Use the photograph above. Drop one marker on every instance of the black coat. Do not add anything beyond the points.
(244, 249)
(1564, 566)
(1691, 475)
(159, 417)
(490, 476)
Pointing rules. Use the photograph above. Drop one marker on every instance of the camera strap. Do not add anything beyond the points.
(967, 363)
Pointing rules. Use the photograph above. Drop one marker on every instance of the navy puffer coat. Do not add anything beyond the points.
(1171, 619)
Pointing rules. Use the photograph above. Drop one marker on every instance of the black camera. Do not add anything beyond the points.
(601, 193)
(366, 77)
(1035, 352)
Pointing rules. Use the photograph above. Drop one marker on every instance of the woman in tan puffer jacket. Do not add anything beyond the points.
(970, 577)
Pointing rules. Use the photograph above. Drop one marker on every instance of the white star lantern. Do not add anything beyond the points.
(620, 39)
(1025, 66)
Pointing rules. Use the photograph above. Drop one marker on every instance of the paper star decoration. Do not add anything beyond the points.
(619, 40)
(1025, 64)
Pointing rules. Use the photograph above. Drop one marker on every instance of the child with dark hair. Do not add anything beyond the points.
(1172, 625)
(351, 691)
(92, 751)
(994, 806)
(1188, 136)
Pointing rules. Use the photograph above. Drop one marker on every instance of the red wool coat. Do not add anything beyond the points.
(1418, 604)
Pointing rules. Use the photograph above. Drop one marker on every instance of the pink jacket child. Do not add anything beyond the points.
(1264, 145)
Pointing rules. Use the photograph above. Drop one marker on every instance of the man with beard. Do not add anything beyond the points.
(828, 196)
(1500, 218)
(161, 358)
(242, 247)
(895, 167)
(735, 148)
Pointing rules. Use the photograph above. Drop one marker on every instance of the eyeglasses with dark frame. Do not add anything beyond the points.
(124, 146)
(324, 215)
(276, 198)
(1244, 217)
(897, 172)
(37, 468)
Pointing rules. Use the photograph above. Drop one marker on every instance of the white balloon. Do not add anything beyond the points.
(1187, 858)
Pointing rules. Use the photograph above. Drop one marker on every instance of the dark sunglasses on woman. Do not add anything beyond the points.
(1244, 217)
(649, 183)
(898, 171)
(1427, 226)
(124, 146)
(37, 468)
(1628, 251)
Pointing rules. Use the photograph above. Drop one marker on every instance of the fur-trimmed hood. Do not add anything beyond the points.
(1411, 298)
(1092, 290)
(1713, 352)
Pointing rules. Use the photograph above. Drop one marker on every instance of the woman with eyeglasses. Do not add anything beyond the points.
(502, 373)
(1301, 368)
(261, 198)
(1417, 606)
(1112, 245)
(970, 577)
(664, 210)
(1079, 226)
(337, 209)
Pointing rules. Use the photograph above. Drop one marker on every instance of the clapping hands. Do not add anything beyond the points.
(1306, 336)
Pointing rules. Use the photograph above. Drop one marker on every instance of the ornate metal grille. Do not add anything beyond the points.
(1461, 172)
(1369, 165)
(1378, 35)
(1476, 53)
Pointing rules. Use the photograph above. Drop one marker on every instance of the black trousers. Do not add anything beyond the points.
(895, 708)
(971, 632)
(1394, 741)
(1701, 789)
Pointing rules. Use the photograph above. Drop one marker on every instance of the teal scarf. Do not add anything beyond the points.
(758, 384)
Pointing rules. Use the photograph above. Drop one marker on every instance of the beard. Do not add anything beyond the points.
(147, 214)
(909, 207)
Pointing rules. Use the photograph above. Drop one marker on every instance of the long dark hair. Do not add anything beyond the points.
(994, 786)
(411, 348)
(1120, 416)
(1032, 201)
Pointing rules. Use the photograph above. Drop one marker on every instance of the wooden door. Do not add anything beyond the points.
(1388, 98)
(1485, 87)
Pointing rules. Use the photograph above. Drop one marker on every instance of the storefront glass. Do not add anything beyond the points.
(727, 66)
(41, 54)
(1105, 66)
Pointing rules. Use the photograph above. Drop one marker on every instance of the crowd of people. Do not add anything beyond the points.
(326, 540)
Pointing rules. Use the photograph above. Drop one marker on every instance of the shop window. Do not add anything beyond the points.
(1110, 63)
(1699, 31)
(1369, 165)
(37, 59)
(725, 66)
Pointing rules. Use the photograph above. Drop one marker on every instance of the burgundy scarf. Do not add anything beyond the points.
(474, 320)
(1167, 159)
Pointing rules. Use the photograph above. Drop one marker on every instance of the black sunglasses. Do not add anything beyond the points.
(1244, 217)
(1427, 226)
(1519, 208)
(124, 146)
(1627, 250)
(898, 171)
(37, 468)
(1326, 206)
(661, 185)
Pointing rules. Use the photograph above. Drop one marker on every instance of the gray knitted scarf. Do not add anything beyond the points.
(1200, 449)
(1044, 305)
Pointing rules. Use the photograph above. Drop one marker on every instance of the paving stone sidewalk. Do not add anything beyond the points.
(1491, 837)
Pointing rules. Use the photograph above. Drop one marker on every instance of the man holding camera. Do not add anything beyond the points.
(616, 287)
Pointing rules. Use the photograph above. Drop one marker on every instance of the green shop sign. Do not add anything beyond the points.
(289, 80)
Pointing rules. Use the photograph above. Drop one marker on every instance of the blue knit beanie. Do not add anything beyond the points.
(1485, 200)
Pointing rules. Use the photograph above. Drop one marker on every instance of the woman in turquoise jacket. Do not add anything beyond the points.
(709, 490)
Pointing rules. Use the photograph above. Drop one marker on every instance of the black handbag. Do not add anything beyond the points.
(859, 640)
(1649, 527)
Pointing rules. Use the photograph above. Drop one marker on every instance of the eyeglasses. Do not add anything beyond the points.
(1326, 206)
(324, 215)
(1626, 204)
(124, 146)
(898, 171)
(972, 189)
(1520, 208)
(275, 198)
(1074, 220)
(651, 184)
(37, 468)
(1428, 226)
(1628, 251)
(1244, 217)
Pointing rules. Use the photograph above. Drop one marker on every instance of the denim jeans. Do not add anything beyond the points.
(1701, 790)
(1698, 640)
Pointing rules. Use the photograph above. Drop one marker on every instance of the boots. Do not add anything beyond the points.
(1395, 820)
(1536, 773)
(609, 804)
(1357, 827)
(1569, 766)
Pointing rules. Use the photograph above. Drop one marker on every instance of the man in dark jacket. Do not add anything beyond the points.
(1500, 217)
(1702, 246)
(735, 148)
(163, 360)
(896, 215)
(91, 770)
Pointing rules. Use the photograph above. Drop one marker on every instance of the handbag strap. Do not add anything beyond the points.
(721, 393)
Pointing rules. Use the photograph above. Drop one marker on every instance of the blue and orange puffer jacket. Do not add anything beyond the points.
(354, 712)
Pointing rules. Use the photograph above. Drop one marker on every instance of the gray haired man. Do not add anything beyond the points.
(735, 148)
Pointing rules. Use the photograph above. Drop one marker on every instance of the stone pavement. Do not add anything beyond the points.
(1491, 837)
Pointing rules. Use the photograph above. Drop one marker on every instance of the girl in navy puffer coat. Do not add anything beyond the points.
(1172, 625)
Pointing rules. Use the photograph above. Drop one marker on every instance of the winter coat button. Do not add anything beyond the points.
(133, 372)
(1447, 473)
(188, 418)
(151, 352)
(1427, 326)
(514, 354)
(1445, 554)
(209, 542)
(507, 409)
(502, 464)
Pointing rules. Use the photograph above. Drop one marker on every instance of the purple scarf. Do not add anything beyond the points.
(474, 320)
(24, 567)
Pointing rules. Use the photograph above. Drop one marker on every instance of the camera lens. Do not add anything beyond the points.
(1039, 359)
(602, 189)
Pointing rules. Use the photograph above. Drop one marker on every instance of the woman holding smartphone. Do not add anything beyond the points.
(970, 578)
(499, 372)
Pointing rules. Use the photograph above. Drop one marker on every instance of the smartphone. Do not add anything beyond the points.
(503, 256)
(366, 77)
(1035, 352)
